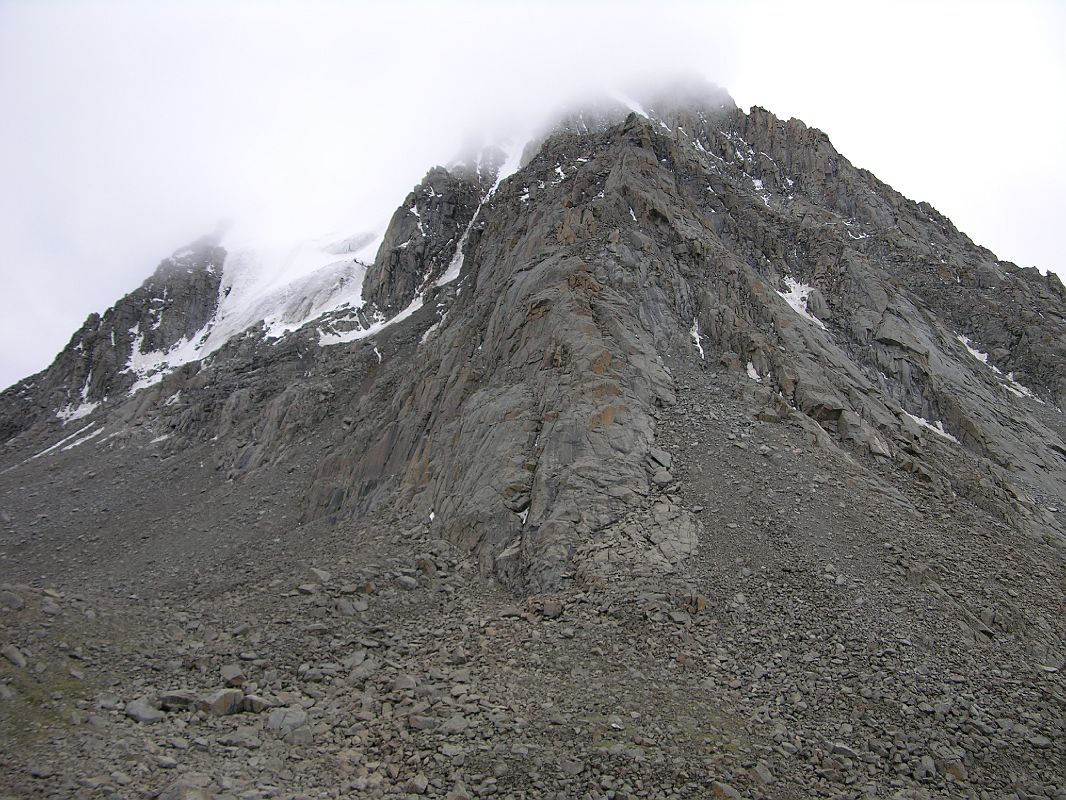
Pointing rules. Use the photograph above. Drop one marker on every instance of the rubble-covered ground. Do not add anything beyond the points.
(827, 639)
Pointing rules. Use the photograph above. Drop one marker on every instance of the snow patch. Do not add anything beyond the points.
(62, 441)
(433, 328)
(1011, 384)
(796, 296)
(279, 285)
(936, 427)
(696, 336)
(1018, 390)
(83, 409)
(754, 373)
(973, 351)
(511, 162)
(456, 265)
(71, 412)
(326, 339)
(760, 192)
(83, 439)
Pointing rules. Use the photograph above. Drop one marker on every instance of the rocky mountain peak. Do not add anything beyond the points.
(673, 429)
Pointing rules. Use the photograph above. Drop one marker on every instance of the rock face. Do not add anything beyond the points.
(166, 311)
(677, 458)
(522, 422)
(749, 242)
(423, 238)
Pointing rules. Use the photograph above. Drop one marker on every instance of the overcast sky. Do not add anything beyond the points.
(130, 128)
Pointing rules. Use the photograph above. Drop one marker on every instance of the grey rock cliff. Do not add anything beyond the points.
(518, 407)
(527, 430)
(172, 306)
(688, 459)
(422, 238)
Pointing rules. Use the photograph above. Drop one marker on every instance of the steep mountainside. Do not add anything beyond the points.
(772, 456)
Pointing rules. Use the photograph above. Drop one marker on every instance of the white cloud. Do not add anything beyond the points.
(131, 128)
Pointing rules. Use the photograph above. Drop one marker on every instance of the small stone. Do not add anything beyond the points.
(841, 749)
(232, 674)
(41, 771)
(760, 773)
(186, 788)
(551, 609)
(166, 762)
(421, 723)
(725, 791)
(1040, 741)
(661, 457)
(174, 699)
(14, 655)
(456, 723)
(406, 582)
(222, 702)
(345, 608)
(307, 588)
(289, 724)
(926, 769)
(418, 784)
(572, 768)
(662, 478)
(321, 574)
(300, 736)
(11, 601)
(244, 736)
(404, 683)
(957, 770)
(254, 704)
(109, 702)
(142, 711)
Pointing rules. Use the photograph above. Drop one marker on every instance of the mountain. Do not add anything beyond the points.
(667, 454)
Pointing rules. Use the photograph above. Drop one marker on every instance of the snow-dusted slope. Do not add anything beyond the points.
(284, 286)
(281, 286)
